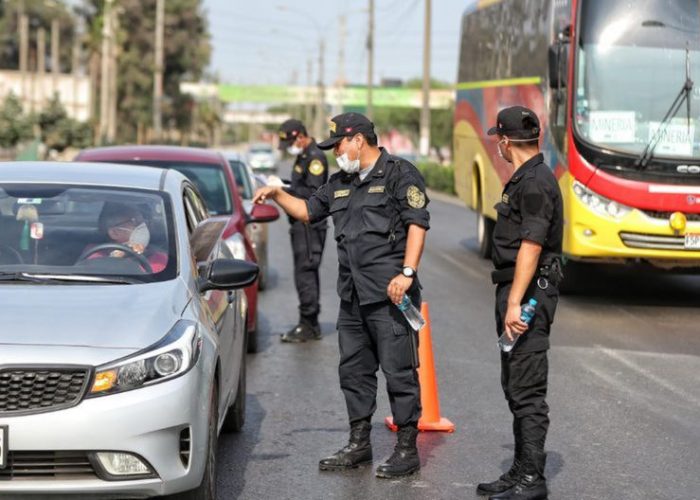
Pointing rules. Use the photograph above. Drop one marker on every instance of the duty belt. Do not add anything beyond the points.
(546, 273)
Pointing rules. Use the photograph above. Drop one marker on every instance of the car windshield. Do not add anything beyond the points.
(261, 150)
(209, 178)
(631, 67)
(85, 234)
(243, 181)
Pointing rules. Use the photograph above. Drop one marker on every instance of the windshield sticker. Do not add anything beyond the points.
(676, 139)
(29, 201)
(612, 127)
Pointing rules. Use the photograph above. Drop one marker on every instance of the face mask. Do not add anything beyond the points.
(294, 150)
(500, 152)
(347, 165)
(140, 235)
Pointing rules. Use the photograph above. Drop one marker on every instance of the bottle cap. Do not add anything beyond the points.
(533, 302)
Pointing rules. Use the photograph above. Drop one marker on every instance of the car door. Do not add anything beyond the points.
(218, 303)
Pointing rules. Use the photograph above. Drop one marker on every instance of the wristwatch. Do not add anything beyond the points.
(409, 272)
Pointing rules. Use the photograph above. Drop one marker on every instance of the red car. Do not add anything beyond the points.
(212, 175)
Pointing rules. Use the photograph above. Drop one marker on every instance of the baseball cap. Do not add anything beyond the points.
(289, 131)
(517, 122)
(347, 125)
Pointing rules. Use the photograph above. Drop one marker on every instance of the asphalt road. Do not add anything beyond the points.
(624, 394)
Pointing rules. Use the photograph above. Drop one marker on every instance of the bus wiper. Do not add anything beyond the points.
(684, 95)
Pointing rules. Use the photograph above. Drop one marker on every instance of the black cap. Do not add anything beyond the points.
(289, 131)
(347, 125)
(517, 122)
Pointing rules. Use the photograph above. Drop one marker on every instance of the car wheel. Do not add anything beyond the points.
(207, 489)
(252, 340)
(235, 417)
(484, 232)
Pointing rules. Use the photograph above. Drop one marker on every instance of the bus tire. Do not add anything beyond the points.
(484, 232)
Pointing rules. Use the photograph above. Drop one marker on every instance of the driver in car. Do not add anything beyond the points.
(126, 226)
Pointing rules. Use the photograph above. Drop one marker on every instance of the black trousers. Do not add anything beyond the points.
(378, 335)
(524, 371)
(307, 248)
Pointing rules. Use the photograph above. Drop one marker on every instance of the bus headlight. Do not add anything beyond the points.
(600, 204)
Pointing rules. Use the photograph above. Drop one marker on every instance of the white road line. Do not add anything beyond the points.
(469, 270)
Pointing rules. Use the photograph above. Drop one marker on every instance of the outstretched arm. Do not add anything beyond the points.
(295, 207)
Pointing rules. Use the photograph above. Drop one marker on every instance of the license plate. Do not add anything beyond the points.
(3, 446)
(692, 241)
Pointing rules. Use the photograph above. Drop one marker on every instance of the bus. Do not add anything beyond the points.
(616, 85)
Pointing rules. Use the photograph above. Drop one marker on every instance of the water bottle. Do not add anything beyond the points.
(527, 312)
(412, 315)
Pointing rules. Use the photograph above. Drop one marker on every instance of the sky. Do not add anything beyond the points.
(270, 41)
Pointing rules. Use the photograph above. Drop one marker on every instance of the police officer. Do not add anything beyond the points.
(378, 205)
(527, 243)
(309, 173)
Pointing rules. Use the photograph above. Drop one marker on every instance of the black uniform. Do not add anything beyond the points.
(530, 209)
(371, 219)
(309, 173)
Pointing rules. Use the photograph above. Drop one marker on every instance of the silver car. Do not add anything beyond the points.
(247, 183)
(262, 157)
(122, 350)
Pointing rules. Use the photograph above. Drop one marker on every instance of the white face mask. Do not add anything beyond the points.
(347, 165)
(294, 150)
(140, 235)
(500, 152)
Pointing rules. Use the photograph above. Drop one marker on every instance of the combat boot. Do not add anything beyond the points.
(300, 333)
(357, 452)
(404, 460)
(507, 480)
(531, 484)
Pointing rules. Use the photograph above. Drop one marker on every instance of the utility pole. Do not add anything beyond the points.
(112, 105)
(41, 63)
(320, 104)
(424, 147)
(75, 70)
(158, 76)
(307, 97)
(55, 54)
(370, 60)
(104, 73)
(341, 65)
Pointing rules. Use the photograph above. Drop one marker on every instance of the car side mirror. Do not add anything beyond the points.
(558, 58)
(227, 274)
(263, 213)
(205, 236)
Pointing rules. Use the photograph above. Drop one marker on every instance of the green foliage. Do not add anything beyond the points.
(15, 126)
(59, 131)
(438, 177)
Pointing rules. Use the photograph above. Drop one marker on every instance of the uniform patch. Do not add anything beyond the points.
(376, 189)
(332, 126)
(533, 203)
(316, 167)
(416, 197)
(505, 198)
(342, 193)
(298, 169)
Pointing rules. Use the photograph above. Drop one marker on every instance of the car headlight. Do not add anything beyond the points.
(171, 357)
(600, 204)
(236, 244)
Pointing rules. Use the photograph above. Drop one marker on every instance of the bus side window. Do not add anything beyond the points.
(558, 94)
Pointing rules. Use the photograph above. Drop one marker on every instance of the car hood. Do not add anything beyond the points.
(121, 317)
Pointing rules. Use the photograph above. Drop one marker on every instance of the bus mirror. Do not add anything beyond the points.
(557, 58)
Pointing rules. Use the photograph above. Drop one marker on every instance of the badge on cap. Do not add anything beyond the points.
(416, 197)
(332, 126)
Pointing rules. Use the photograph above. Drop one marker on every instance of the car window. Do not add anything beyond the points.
(209, 178)
(86, 231)
(245, 188)
(261, 149)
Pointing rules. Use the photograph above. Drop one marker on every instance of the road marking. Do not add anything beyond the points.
(469, 270)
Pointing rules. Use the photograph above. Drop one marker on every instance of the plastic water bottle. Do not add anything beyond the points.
(412, 315)
(527, 312)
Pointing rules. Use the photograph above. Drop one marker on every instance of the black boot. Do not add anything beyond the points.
(531, 483)
(404, 460)
(312, 323)
(300, 333)
(507, 480)
(357, 452)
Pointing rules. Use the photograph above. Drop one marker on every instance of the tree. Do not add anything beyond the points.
(59, 131)
(15, 126)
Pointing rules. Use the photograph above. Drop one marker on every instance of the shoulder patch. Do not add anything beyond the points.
(341, 193)
(316, 167)
(416, 197)
(533, 202)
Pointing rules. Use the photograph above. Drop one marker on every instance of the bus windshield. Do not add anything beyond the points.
(631, 66)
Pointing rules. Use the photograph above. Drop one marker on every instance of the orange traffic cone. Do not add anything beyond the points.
(430, 419)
